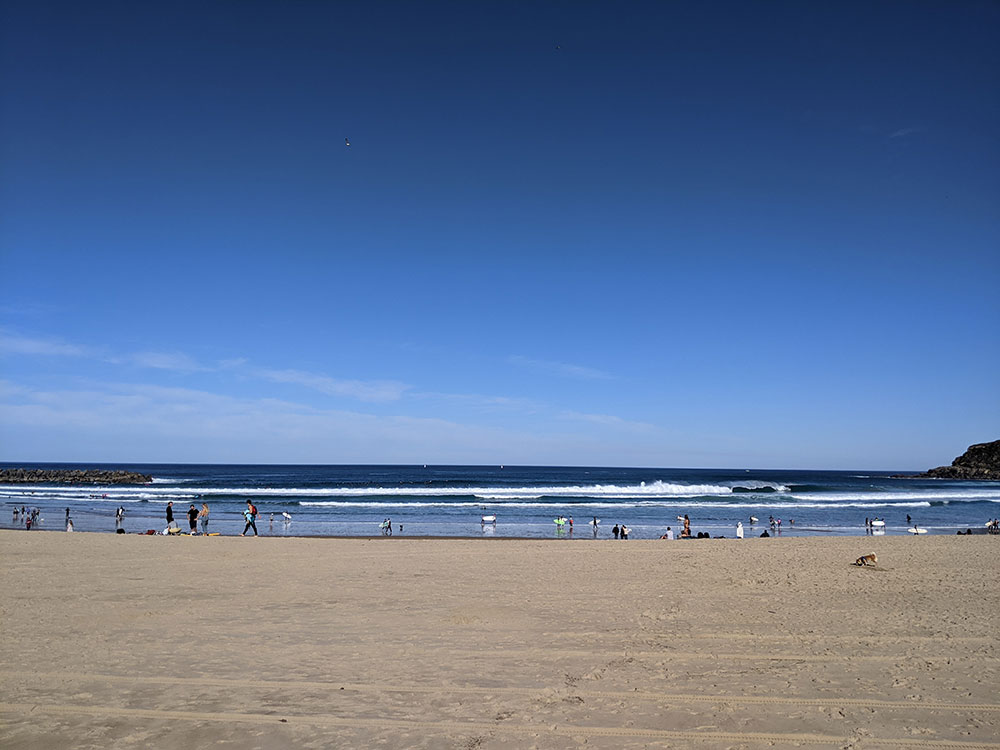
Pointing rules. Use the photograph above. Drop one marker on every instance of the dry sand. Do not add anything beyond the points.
(135, 642)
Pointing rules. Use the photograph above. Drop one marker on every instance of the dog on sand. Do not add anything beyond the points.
(867, 560)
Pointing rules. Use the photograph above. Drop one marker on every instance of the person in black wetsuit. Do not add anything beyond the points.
(170, 514)
(193, 518)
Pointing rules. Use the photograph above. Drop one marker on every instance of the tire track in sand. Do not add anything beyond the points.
(380, 724)
(371, 687)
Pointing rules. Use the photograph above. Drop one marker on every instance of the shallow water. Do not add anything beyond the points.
(450, 500)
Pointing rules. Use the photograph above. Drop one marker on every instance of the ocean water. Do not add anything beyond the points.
(451, 500)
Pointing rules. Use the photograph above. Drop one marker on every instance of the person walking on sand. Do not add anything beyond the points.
(193, 519)
(624, 531)
(203, 517)
(171, 524)
(250, 514)
(615, 531)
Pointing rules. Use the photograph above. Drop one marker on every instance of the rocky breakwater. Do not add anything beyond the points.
(71, 476)
(981, 461)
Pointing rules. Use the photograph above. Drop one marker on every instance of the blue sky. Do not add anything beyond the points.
(720, 234)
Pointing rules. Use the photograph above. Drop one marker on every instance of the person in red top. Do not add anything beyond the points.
(250, 514)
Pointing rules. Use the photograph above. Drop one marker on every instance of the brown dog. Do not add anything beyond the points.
(867, 560)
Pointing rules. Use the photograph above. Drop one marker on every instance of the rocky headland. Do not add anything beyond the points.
(980, 461)
(71, 476)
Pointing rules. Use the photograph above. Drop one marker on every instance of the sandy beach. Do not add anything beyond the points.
(134, 642)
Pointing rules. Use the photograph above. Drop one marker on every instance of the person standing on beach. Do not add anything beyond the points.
(193, 519)
(203, 515)
(624, 531)
(250, 514)
(739, 529)
(615, 531)
(119, 517)
(171, 524)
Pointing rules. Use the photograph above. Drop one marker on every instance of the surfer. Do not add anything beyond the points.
(250, 514)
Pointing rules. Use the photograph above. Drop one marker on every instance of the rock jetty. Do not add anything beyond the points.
(71, 476)
(981, 461)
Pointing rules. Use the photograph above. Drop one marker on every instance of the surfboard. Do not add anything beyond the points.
(594, 523)
(489, 519)
(878, 523)
(214, 533)
(916, 530)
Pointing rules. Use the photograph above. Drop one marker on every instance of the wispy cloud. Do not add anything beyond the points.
(143, 422)
(364, 390)
(903, 132)
(606, 420)
(173, 361)
(563, 369)
(479, 401)
(12, 343)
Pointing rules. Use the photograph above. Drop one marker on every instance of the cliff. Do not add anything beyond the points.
(981, 461)
(71, 476)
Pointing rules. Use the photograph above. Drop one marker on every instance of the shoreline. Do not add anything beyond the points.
(784, 535)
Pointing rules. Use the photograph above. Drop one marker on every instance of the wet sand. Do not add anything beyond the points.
(133, 642)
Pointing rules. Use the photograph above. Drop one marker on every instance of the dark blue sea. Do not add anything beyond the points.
(526, 500)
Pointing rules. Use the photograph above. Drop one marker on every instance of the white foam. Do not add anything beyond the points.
(637, 504)
(957, 495)
(653, 489)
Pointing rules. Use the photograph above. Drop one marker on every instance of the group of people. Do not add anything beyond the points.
(199, 518)
(621, 532)
(29, 516)
(195, 517)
